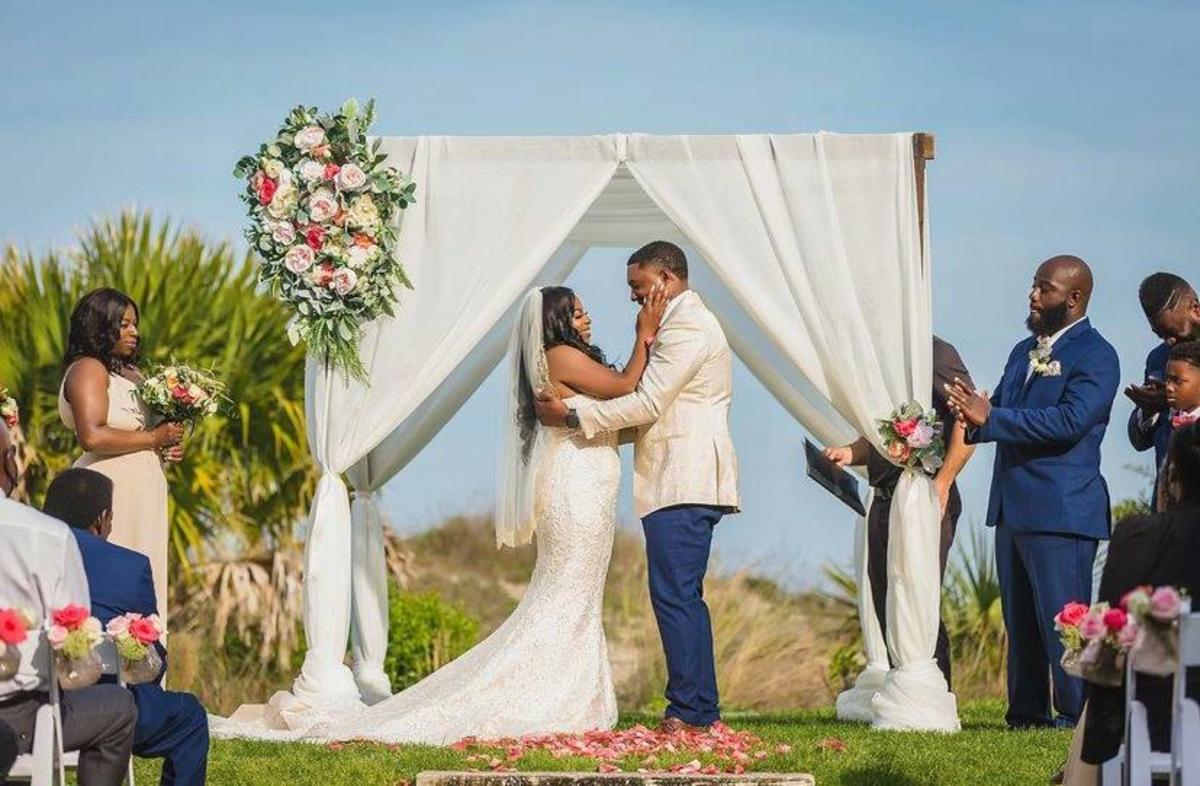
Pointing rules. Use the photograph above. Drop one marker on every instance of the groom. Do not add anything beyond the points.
(685, 470)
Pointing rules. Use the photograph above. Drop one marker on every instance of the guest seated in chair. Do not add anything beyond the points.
(1158, 549)
(171, 725)
(40, 569)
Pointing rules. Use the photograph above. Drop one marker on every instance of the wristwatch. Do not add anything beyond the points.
(572, 419)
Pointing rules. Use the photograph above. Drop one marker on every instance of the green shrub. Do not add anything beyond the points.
(424, 634)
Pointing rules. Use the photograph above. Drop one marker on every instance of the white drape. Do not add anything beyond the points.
(816, 271)
(817, 237)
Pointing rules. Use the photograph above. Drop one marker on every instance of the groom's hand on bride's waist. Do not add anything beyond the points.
(551, 411)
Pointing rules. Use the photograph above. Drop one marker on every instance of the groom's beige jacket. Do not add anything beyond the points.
(683, 453)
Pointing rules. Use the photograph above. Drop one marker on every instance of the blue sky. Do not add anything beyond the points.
(1064, 127)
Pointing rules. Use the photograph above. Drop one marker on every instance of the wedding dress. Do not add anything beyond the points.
(546, 668)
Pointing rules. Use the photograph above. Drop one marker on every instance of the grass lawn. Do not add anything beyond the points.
(985, 752)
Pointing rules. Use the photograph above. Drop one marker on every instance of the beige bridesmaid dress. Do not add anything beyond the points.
(139, 485)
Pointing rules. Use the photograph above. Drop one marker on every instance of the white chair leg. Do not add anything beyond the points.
(1185, 753)
(1110, 771)
(1138, 754)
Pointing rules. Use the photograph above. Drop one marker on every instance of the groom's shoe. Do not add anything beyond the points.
(672, 725)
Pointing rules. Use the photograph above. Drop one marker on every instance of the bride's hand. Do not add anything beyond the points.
(172, 455)
(650, 317)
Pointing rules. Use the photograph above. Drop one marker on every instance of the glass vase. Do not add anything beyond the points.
(10, 661)
(145, 669)
(75, 673)
(1070, 662)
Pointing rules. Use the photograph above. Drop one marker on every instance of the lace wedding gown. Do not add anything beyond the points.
(545, 669)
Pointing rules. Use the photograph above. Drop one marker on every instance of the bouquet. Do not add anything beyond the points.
(182, 394)
(912, 436)
(14, 629)
(322, 208)
(135, 637)
(1095, 641)
(1156, 612)
(74, 634)
(9, 412)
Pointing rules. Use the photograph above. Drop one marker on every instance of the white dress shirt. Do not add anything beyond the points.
(40, 570)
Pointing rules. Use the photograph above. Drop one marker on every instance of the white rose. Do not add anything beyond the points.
(363, 212)
(299, 259)
(283, 205)
(322, 206)
(309, 137)
(358, 256)
(351, 178)
(283, 232)
(311, 171)
(344, 281)
(273, 167)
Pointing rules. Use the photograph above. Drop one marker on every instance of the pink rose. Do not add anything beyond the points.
(57, 635)
(331, 171)
(119, 626)
(1128, 635)
(1092, 626)
(322, 206)
(266, 190)
(309, 137)
(144, 630)
(344, 281)
(905, 427)
(299, 259)
(12, 627)
(323, 275)
(351, 178)
(1165, 603)
(314, 236)
(70, 616)
(283, 233)
(1115, 619)
(921, 436)
(1072, 614)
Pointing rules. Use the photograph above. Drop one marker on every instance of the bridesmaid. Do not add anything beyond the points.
(98, 401)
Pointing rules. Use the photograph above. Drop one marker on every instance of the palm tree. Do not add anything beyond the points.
(247, 474)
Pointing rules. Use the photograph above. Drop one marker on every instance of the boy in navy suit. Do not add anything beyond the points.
(170, 725)
(1173, 311)
(1049, 503)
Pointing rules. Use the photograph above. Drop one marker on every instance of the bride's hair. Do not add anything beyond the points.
(558, 323)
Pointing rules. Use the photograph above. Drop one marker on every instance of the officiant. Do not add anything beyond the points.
(883, 476)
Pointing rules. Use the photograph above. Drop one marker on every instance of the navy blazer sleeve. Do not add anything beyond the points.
(1086, 401)
(1141, 436)
(147, 603)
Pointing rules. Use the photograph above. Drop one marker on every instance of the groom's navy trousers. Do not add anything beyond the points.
(678, 542)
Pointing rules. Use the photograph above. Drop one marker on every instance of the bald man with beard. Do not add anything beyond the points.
(1049, 503)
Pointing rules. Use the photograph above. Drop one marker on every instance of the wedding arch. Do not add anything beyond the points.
(811, 248)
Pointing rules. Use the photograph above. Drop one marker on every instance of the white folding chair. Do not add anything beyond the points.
(1135, 763)
(1185, 721)
(47, 763)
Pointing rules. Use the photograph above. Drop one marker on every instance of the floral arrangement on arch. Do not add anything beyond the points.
(322, 207)
(912, 438)
(10, 413)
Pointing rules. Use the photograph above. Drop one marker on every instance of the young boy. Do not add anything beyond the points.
(1183, 384)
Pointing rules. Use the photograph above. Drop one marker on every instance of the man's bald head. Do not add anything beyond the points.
(1062, 289)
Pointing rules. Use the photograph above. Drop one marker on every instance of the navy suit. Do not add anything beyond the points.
(1050, 506)
(170, 725)
(1158, 435)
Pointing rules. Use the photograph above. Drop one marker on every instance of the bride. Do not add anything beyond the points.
(546, 668)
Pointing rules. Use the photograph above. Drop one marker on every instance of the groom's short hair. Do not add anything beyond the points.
(662, 254)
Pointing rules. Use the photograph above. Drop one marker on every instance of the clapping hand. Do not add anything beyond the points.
(1150, 397)
(968, 405)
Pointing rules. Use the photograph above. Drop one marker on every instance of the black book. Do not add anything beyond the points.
(836, 480)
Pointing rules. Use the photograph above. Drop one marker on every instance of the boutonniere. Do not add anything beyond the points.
(1040, 362)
